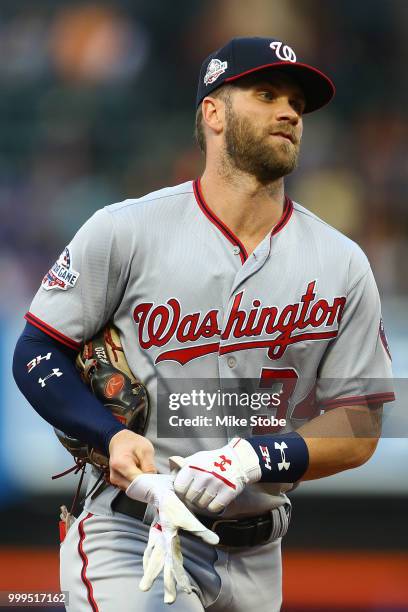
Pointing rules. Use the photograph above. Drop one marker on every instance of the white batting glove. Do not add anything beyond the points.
(163, 551)
(212, 479)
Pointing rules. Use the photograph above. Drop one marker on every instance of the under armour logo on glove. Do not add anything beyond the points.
(224, 461)
(212, 479)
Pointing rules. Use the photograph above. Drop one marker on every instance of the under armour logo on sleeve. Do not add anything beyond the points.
(55, 372)
(282, 465)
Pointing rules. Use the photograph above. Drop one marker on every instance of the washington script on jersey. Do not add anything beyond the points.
(159, 325)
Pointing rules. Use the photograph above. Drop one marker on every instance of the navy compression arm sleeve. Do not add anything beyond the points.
(45, 373)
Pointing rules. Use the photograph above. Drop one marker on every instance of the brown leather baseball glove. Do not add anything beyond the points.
(104, 369)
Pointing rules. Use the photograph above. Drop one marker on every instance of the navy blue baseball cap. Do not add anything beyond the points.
(242, 56)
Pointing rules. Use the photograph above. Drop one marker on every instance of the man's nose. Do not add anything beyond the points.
(286, 112)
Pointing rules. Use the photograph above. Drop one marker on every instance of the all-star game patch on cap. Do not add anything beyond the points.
(242, 56)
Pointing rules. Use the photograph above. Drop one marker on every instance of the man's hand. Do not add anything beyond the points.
(163, 551)
(212, 479)
(130, 454)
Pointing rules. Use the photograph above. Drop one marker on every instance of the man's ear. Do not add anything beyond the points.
(213, 110)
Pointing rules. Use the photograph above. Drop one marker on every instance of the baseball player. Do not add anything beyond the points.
(219, 278)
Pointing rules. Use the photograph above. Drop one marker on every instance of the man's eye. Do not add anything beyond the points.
(266, 95)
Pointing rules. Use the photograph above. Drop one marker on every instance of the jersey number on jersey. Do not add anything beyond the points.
(286, 380)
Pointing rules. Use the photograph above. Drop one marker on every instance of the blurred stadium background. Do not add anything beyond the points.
(96, 105)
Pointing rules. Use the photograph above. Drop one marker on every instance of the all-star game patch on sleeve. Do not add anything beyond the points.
(356, 368)
(80, 291)
(62, 274)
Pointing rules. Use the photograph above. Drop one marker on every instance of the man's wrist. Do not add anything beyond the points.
(282, 458)
(116, 428)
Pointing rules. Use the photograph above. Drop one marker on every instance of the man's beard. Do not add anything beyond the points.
(255, 153)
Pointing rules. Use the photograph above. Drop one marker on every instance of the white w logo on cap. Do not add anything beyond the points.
(283, 52)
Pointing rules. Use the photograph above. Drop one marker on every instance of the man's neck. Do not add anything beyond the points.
(248, 208)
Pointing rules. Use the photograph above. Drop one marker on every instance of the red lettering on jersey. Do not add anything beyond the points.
(306, 300)
(157, 321)
(162, 322)
(236, 317)
(140, 314)
(158, 325)
(319, 313)
(250, 327)
(336, 311)
(187, 330)
(268, 316)
(209, 325)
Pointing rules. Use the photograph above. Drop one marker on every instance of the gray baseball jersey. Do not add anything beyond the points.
(189, 303)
